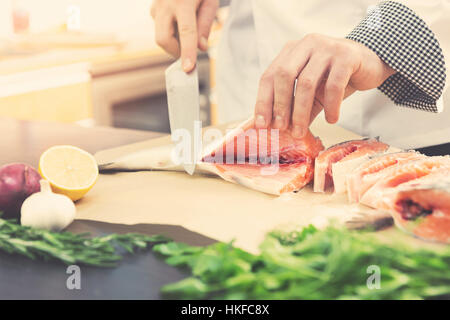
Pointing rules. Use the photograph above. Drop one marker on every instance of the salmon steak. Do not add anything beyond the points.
(422, 206)
(369, 172)
(267, 160)
(400, 174)
(333, 164)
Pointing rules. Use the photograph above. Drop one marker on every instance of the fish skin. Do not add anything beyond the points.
(341, 152)
(369, 172)
(401, 174)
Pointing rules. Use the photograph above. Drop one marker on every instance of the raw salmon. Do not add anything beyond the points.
(269, 161)
(422, 206)
(369, 172)
(342, 152)
(400, 174)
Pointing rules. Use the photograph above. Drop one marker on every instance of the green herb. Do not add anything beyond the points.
(305, 264)
(308, 264)
(68, 247)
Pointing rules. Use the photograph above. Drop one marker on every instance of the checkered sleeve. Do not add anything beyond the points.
(404, 42)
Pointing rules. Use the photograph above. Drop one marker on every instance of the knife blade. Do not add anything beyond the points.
(184, 110)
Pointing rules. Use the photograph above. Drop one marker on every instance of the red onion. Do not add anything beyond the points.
(17, 182)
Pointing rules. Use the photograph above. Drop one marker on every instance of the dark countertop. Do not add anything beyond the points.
(138, 276)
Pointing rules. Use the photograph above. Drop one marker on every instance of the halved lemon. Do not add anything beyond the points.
(70, 170)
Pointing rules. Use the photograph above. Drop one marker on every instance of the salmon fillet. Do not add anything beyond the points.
(368, 173)
(342, 152)
(273, 162)
(400, 174)
(422, 206)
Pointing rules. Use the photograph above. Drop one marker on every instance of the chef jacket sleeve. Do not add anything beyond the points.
(413, 46)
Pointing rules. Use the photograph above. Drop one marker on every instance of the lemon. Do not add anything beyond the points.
(70, 170)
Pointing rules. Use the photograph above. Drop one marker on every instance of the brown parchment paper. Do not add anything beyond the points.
(207, 204)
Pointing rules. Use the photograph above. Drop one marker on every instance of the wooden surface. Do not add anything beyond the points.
(97, 56)
(24, 141)
(63, 84)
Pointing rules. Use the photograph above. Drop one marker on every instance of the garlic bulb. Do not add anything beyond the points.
(47, 210)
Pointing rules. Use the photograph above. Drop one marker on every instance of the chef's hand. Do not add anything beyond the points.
(327, 71)
(183, 25)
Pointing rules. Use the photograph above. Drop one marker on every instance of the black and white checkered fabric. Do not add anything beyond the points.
(404, 42)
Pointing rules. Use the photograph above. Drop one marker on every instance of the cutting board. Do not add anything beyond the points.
(207, 204)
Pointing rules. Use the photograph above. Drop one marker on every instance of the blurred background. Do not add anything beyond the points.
(93, 63)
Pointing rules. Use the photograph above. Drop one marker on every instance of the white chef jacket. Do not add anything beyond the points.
(257, 30)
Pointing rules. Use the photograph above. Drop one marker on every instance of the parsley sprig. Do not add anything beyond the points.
(309, 264)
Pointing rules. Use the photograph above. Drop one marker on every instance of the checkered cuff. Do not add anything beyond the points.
(404, 42)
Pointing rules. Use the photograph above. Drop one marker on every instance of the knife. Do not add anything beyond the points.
(184, 110)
